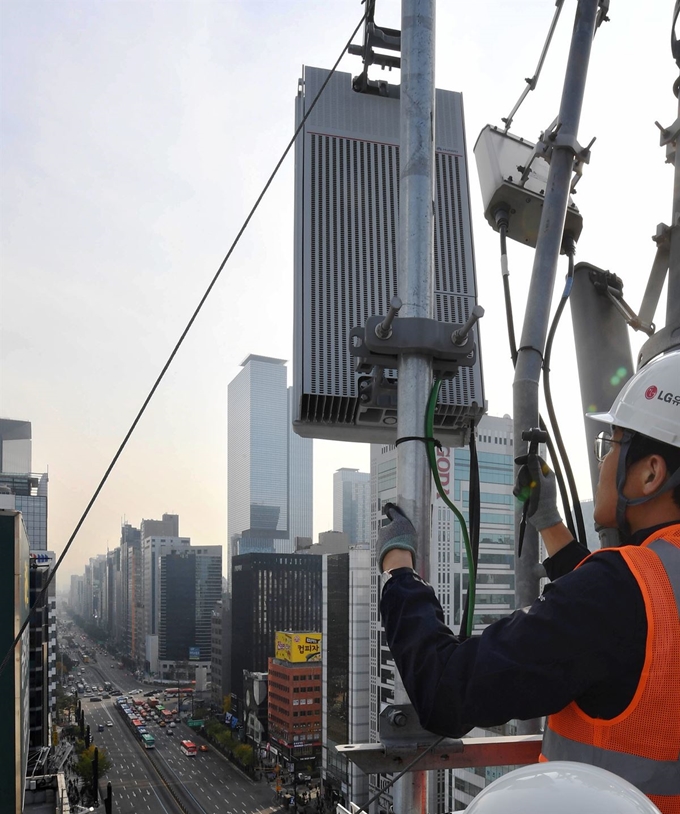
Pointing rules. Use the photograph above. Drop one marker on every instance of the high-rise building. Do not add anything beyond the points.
(153, 548)
(220, 631)
(42, 650)
(495, 585)
(26, 492)
(352, 504)
(190, 587)
(168, 526)
(130, 574)
(269, 468)
(345, 665)
(270, 592)
(294, 715)
(14, 680)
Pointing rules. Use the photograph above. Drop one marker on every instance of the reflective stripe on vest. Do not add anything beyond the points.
(571, 734)
(650, 776)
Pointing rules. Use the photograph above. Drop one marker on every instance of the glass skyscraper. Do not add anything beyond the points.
(269, 468)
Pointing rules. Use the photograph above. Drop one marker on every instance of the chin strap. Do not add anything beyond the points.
(623, 502)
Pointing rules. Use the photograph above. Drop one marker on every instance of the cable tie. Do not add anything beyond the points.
(424, 438)
(531, 347)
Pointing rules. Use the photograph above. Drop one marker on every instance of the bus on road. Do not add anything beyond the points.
(189, 748)
(148, 741)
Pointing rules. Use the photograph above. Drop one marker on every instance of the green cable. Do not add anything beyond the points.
(429, 433)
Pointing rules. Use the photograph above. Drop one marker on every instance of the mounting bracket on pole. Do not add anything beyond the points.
(609, 285)
(383, 339)
(402, 739)
(389, 39)
(551, 139)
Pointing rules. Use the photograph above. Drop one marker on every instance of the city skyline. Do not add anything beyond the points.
(139, 219)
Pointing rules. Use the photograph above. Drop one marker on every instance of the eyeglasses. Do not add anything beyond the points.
(603, 445)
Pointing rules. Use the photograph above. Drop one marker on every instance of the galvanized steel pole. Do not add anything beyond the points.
(415, 286)
(532, 345)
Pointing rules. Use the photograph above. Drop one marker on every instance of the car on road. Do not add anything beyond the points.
(149, 694)
(169, 731)
(203, 748)
(95, 698)
(162, 724)
(173, 724)
(109, 723)
(100, 728)
(106, 697)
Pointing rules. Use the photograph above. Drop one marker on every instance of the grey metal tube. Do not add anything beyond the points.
(535, 329)
(673, 301)
(604, 359)
(415, 286)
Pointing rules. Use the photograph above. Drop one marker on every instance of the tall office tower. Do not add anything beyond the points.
(14, 680)
(345, 669)
(42, 651)
(270, 592)
(269, 468)
(190, 587)
(75, 597)
(453, 789)
(29, 489)
(220, 630)
(152, 549)
(352, 504)
(27, 492)
(300, 483)
(168, 526)
(130, 567)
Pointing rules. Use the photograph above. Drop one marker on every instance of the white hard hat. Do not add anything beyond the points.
(649, 402)
(561, 787)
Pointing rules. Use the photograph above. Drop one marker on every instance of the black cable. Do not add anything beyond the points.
(506, 291)
(474, 516)
(570, 250)
(502, 220)
(205, 296)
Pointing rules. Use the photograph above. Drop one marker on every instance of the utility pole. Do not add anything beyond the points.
(565, 147)
(415, 285)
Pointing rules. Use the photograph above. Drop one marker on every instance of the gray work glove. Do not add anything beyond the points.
(398, 533)
(537, 488)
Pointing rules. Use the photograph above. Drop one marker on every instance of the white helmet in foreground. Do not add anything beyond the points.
(648, 405)
(561, 787)
(649, 402)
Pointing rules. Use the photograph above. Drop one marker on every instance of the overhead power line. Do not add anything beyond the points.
(181, 339)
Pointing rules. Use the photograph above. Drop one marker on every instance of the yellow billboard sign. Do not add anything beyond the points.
(298, 647)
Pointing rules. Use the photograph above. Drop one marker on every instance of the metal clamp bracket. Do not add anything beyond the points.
(668, 137)
(551, 139)
(384, 339)
(402, 739)
(609, 285)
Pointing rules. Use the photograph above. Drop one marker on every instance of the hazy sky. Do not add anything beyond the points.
(136, 136)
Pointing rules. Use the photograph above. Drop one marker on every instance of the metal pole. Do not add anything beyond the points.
(673, 297)
(416, 196)
(535, 329)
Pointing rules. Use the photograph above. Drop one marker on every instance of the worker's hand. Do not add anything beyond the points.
(398, 533)
(536, 485)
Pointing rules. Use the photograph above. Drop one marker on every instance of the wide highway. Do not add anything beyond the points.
(207, 783)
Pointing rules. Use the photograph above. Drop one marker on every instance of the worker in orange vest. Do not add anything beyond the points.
(599, 651)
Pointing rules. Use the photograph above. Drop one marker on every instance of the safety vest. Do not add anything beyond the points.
(642, 744)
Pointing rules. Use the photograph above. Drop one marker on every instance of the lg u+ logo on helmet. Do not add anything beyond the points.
(669, 398)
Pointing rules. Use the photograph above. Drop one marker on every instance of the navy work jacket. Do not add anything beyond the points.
(583, 639)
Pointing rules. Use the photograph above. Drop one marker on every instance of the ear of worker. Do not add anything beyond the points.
(536, 487)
